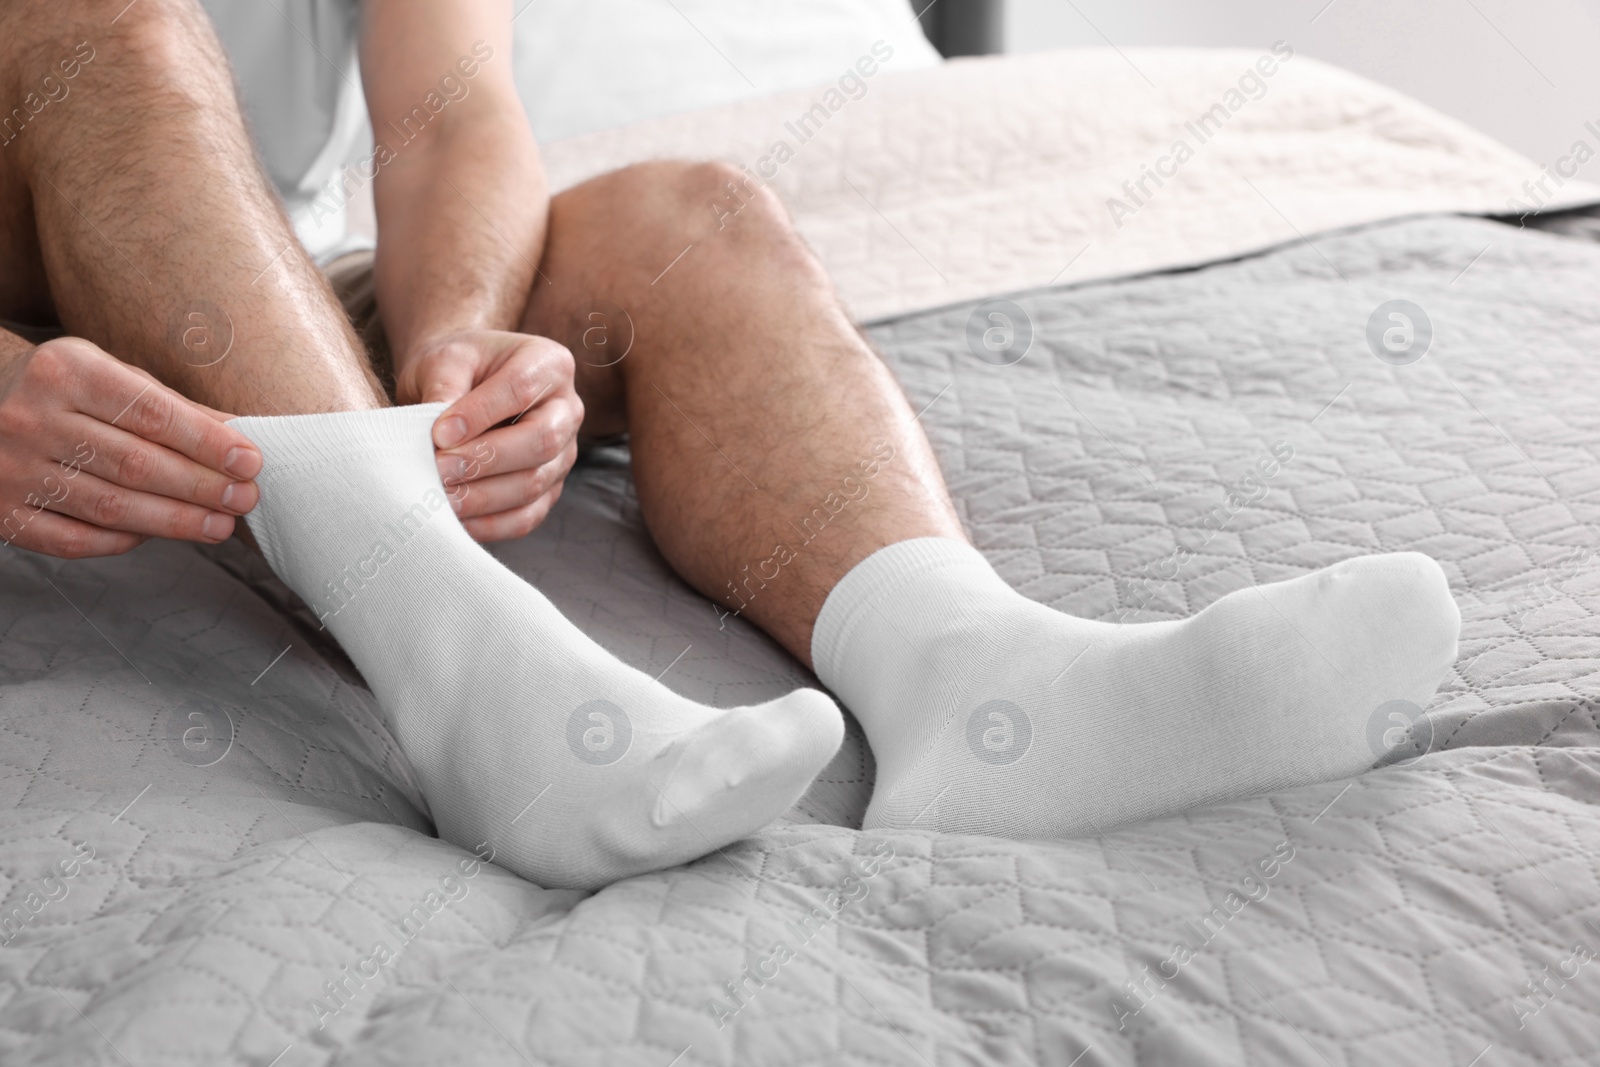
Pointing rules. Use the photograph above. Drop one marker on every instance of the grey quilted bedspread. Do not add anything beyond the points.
(211, 852)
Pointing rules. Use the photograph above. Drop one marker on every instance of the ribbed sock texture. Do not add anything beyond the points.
(991, 713)
(575, 768)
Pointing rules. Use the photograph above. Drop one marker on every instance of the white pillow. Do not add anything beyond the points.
(587, 65)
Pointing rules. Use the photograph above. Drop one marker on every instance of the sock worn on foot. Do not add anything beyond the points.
(574, 767)
(991, 713)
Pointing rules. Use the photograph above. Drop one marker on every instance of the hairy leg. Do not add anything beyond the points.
(497, 700)
(752, 403)
(134, 212)
(759, 416)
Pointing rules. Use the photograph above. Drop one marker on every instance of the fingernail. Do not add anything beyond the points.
(451, 432)
(236, 498)
(457, 502)
(242, 462)
(217, 526)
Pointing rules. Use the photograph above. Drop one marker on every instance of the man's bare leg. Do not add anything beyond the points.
(751, 401)
(139, 217)
(754, 406)
(493, 695)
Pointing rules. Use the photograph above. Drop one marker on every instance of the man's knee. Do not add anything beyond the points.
(170, 45)
(734, 197)
(722, 189)
(160, 42)
(713, 197)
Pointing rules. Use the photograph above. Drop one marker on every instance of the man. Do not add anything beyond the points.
(132, 211)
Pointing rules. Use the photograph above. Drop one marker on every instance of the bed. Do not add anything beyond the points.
(211, 850)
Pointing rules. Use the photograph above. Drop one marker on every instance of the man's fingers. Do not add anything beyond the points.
(509, 525)
(444, 377)
(220, 416)
(114, 395)
(134, 463)
(63, 537)
(507, 492)
(537, 368)
(101, 503)
(534, 440)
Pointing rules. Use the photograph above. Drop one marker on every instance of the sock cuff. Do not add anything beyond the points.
(300, 450)
(308, 440)
(871, 581)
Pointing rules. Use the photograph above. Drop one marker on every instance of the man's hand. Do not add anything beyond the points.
(96, 457)
(509, 436)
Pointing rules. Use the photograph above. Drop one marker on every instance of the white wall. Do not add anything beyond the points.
(1459, 56)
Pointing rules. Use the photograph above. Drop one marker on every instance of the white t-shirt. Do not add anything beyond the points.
(301, 86)
(579, 66)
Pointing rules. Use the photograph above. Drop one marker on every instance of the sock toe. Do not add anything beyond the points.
(810, 723)
(575, 769)
(989, 713)
(746, 767)
(1402, 602)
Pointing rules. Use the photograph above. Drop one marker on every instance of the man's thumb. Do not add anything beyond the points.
(447, 377)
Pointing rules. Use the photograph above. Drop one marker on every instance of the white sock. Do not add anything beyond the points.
(990, 713)
(498, 701)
